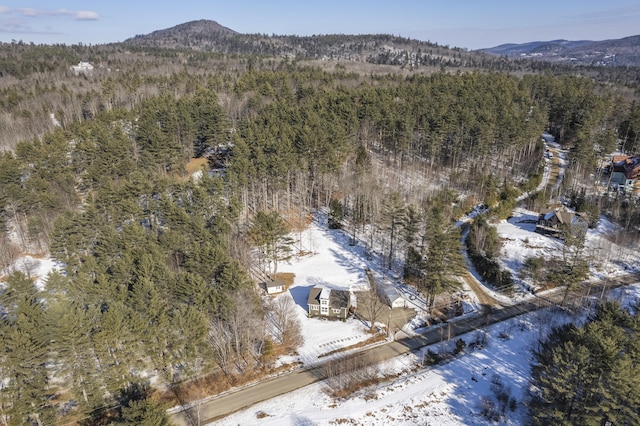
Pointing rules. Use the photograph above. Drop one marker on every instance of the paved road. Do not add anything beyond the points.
(264, 390)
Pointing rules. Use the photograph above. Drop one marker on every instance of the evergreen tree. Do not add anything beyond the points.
(395, 217)
(270, 233)
(145, 412)
(24, 353)
(443, 262)
(587, 375)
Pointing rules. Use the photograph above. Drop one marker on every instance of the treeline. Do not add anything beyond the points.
(37, 81)
(155, 279)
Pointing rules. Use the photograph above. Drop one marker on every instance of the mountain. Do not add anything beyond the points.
(209, 36)
(194, 34)
(624, 51)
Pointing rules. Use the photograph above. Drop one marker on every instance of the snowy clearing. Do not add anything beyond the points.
(520, 241)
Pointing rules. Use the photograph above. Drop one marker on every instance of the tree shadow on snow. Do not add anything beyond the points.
(297, 420)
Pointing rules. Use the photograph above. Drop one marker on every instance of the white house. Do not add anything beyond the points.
(274, 287)
(82, 68)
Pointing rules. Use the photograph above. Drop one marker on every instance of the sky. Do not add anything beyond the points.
(470, 24)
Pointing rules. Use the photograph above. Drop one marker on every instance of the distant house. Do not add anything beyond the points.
(82, 68)
(554, 222)
(274, 287)
(328, 303)
(625, 172)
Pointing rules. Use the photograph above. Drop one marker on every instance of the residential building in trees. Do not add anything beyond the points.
(555, 222)
(82, 68)
(625, 173)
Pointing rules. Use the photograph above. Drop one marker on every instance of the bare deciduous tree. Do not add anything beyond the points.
(220, 339)
(286, 321)
(348, 373)
(374, 305)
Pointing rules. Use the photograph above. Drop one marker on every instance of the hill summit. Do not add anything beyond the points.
(190, 34)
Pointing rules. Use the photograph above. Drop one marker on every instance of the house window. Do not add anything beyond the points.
(336, 311)
(314, 307)
(324, 310)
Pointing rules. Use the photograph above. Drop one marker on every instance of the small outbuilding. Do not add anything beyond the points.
(275, 286)
(392, 297)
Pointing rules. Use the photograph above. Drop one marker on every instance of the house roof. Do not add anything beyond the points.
(275, 283)
(389, 291)
(629, 165)
(337, 298)
(314, 296)
(325, 294)
(565, 217)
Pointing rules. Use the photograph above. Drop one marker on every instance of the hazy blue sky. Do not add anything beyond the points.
(463, 23)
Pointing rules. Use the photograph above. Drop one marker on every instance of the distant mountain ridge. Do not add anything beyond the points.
(210, 36)
(624, 51)
(381, 49)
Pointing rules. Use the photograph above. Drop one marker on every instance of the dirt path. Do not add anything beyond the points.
(556, 174)
(484, 298)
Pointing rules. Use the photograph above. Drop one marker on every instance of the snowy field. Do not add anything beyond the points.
(520, 241)
(331, 263)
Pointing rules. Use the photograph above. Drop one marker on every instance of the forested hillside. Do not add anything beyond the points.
(155, 287)
(621, 52)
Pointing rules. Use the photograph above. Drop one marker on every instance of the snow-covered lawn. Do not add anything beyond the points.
(448, 394)
(331, 263)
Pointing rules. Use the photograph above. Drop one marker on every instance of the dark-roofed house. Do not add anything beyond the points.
(328, 303)
(626, 172)
(555, 222)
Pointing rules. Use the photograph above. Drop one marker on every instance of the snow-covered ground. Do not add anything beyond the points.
(445, 395)
(520, 242)
(35, 267)
(332, 263)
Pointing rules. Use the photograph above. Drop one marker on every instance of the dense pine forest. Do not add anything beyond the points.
(157, 287)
